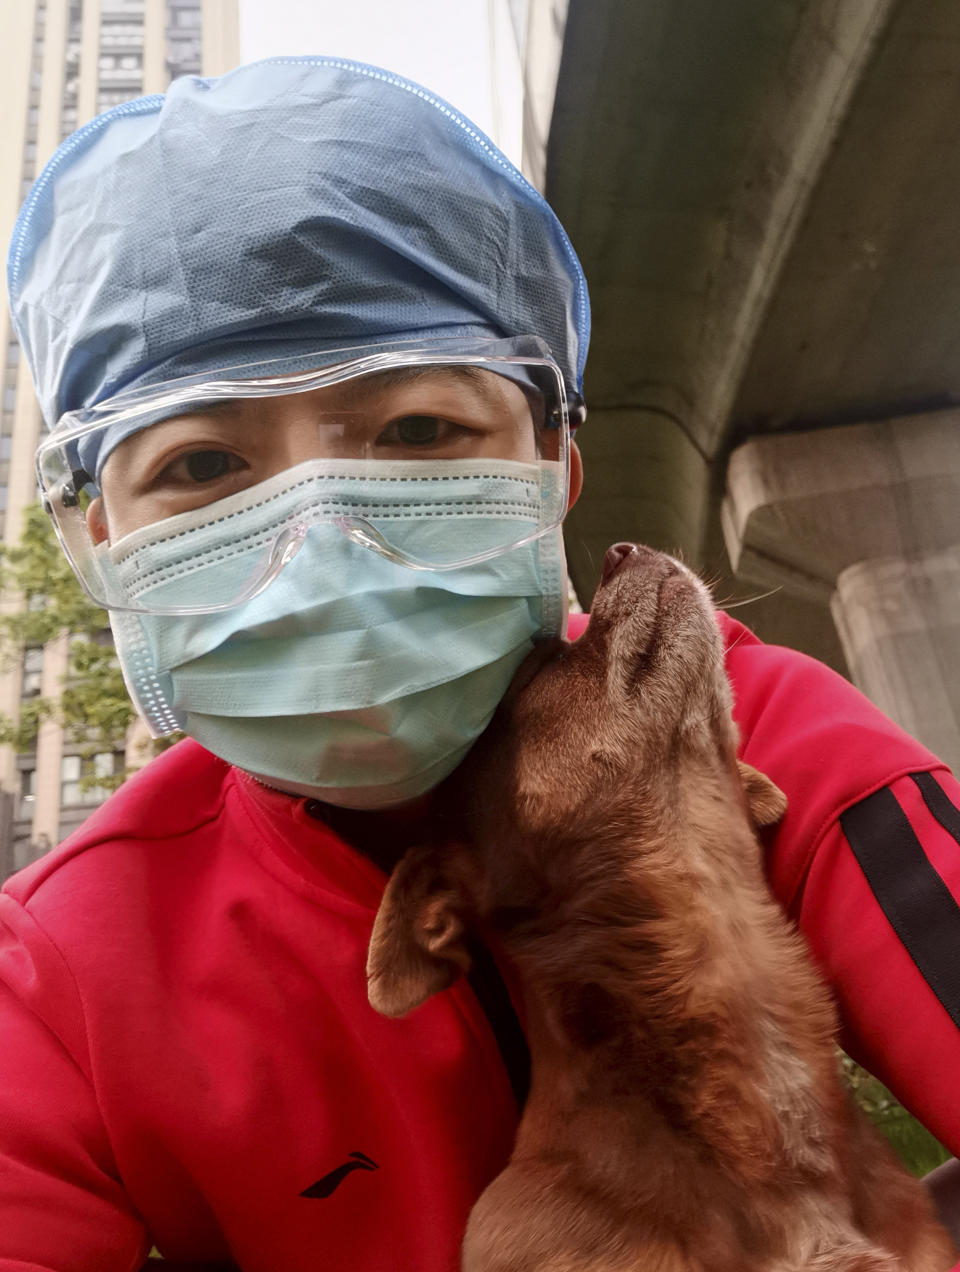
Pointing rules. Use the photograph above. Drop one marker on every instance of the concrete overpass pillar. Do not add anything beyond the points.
(899, 623)
(867, 518)
(627, 451)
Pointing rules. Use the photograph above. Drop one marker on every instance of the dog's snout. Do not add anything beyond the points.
(614, 558)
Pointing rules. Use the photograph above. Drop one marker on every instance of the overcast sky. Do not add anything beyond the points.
(446, 45)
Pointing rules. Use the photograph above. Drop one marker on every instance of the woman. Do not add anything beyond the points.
(311, 350)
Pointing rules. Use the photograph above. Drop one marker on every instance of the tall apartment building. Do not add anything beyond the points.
(62, 62)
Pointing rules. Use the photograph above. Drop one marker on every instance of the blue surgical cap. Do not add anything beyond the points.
(290, 207)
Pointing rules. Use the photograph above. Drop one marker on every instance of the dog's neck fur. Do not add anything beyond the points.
(689, 1019)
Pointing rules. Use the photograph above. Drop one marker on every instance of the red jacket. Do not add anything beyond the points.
(186, 1047)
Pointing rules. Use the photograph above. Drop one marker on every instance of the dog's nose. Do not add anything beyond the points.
(614, 558)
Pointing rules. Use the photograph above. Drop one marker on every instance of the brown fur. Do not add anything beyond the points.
(685, 1113)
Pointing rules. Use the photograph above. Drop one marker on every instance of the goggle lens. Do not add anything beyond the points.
(208, 492)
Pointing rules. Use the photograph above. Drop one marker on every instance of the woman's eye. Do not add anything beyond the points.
(419, 430)
(203, 466)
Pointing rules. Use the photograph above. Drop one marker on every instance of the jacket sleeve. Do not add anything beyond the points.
(879, 906)
(62, 1208)
(867, 860)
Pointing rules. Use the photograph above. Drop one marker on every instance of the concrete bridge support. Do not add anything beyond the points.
(866, 517)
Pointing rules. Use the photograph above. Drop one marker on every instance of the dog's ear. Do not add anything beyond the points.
(419, 945)
(766, 801)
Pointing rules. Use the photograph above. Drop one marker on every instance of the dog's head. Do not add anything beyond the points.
(599, 748)
(616, 722)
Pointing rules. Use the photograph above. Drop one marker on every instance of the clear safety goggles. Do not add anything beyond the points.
(434, 456)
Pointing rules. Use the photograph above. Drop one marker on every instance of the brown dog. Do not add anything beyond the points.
(685, 1113)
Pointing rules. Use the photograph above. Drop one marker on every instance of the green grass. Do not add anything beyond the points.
(919, 1151)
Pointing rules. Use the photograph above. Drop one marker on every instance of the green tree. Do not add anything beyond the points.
(92, 706)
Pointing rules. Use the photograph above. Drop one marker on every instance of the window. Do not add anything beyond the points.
(32, 678)
(28, 793)
(121, 35)
(113, 97)
(70, 768)
(183, 55)
(185, 17)
(130, 79)
(9, 397)
(120, 61)
(76, 770)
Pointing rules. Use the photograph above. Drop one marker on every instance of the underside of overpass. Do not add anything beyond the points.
(765, 195)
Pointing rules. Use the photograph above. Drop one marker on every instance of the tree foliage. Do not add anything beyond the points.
(92, 706)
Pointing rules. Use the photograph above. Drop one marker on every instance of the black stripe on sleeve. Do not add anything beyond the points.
(494, 997)
(911, 894)
(947, 814)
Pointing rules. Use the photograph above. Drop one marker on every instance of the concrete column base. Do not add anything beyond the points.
(866, 518)
(899, 623)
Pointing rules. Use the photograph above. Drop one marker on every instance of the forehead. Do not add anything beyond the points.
(358, 388)
(466, 378)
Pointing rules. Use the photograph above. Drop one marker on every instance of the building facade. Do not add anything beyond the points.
(61, 63)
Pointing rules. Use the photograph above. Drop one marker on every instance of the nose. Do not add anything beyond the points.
(614, 558)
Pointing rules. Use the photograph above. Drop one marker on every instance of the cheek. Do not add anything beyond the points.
(119, 512)
(122, 518)
(518, 446)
